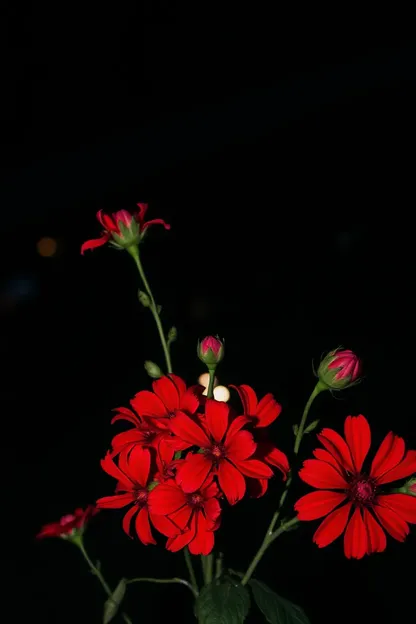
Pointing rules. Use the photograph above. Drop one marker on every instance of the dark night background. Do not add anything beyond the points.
(284, 161)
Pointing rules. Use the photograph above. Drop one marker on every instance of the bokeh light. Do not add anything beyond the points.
(47, 247)
(221, 393)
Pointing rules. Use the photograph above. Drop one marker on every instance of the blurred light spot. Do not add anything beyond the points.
(47, 247)
(203, 380)
(221, 393)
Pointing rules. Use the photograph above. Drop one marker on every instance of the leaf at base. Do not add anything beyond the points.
(227, 602)
(111, 606)
(276, 610)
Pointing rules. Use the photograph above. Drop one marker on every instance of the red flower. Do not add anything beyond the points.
(133, 477)
(339, 467)
(134, 223)
(224, 449)
(261, 414)
(196, 514)
(169, 395)
(69, 525)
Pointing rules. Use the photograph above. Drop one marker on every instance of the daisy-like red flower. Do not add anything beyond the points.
(225, 450)
(359, 507)
(196, 514)
(169, 395)
(69, 525)
(262, 414)
(133, 481)
(132, 222)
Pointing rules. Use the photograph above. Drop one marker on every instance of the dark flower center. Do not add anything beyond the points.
(195, 500)
(362, 490)
(216, 452)
(141, 497)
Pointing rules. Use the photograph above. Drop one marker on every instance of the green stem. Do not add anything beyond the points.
(98, 574)
(159, 580)
(271, 533)
(207, 561)
(318, 388)
(210, 392)
(268, 539)
(134, 252)
(218, 566)
(191, 572)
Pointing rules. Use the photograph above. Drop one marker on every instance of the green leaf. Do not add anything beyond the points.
(113, 603)
(225, 602)
(313, 425)
(276, 610)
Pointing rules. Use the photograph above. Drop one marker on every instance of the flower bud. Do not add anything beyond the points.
(339, 369)
(144, 299)
(153, 370)
(211, 351)
(410, 487)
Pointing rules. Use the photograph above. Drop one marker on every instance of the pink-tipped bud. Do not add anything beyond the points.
(340, 369)
(211, 351)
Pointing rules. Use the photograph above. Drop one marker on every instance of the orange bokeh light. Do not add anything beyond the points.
(47, 247)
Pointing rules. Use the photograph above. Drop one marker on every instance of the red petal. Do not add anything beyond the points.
(231, 482)
(356, 537)
(389, 454)
(212, 510)
(267, 411)
(143, 530)
(142, 212)
(358, 436)
(328, 458)
(337, 446)
(277, 458)
(113, 470)
(115, 502)
(133, 436)
(253, 468)
(189, 431)
(182, 517)
(257, 487)
(148, 404)
(235, 426)
(216, 417)
(123, 413)
(165, 499)
(321, 475)
(180, 541)
(241, 446)
(404, 505)
(193, 472)
(318, 504)
(179, 383)
(136, 464)
(376, 537)
(164, 525)
(190, 401)
(210, 489)
(95, 242)
(393, 524)
(203, 542)
(332, 526)
(248, 399)
(127, 520)
(167, 392)
(155, 222)
(406, 468)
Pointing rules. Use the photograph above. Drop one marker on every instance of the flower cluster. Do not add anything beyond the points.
(183, 456)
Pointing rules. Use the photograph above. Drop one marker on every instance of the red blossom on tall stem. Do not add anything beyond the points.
(68, 525)
(111, 225)
(133, 480)
(225, 450)
(352, 499)
(196, 514)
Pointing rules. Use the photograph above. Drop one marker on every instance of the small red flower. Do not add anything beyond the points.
(262, 414)
(133, 480)
(69, 525)
(134, 222)
(169, 395)
(225, 450)
(196, 514)
(340, 467)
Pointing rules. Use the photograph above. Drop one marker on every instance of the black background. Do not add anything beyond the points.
(284, 161)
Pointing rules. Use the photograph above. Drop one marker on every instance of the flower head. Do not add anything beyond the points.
(210, 351)
(122, 228)
(69, 526)
(225, 450)
(351, 498)
(196, 514)
(340, 369)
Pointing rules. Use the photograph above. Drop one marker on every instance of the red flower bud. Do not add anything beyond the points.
(410, 487)
(69, 526)
(211, 351)
(340, 369)
(123, 228)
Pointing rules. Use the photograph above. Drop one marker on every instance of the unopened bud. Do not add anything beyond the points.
(339, 369)
(153, 370)
(144, 299)
(211, 351)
